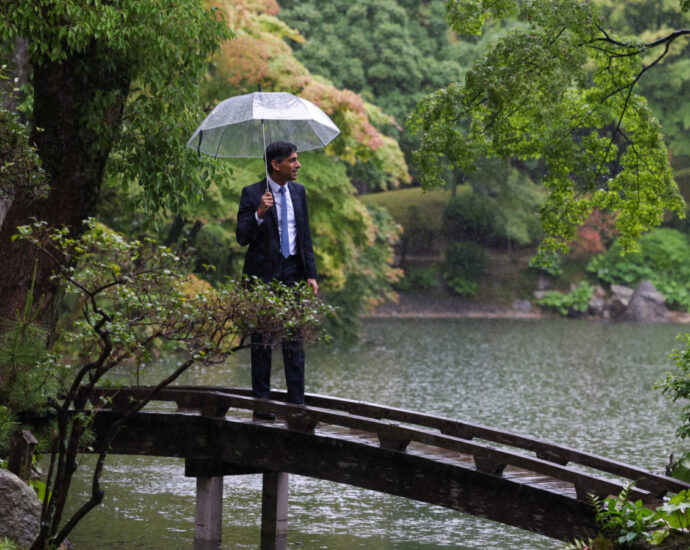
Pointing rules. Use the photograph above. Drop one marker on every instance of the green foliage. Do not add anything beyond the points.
(550, 264)
(676, 512)
(20, 166)
(369, 276)
(27, 380)
(676, 385)
(666, 89)
(8, 425)
(663, 259)
(681, 468)
(211, 248)
(470, 217)
(512, 196)
(23, 386)
(573, 302)
(462, 286)
(390, 51)
(628, 520)
(157, 53)
(464, 264)
(7, 544)
(560, 89)
(469, 16)
(145, 292)
(418, 277)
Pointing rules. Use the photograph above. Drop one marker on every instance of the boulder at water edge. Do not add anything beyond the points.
(647, 305)
(20, 510)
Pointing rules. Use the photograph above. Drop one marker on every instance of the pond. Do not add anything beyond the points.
(583, 384)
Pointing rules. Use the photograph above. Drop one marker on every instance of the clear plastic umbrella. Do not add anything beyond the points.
(241, 126)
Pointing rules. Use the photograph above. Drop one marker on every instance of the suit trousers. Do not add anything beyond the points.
(293, 350)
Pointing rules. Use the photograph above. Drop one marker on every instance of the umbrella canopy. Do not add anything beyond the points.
(241, 126)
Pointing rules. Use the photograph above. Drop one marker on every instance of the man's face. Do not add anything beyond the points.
(286, 169)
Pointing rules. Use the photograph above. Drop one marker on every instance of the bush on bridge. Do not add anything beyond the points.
(129, 296)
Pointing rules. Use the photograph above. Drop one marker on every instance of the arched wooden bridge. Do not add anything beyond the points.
(505, 477)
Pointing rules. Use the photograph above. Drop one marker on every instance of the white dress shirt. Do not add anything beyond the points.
(292, 226)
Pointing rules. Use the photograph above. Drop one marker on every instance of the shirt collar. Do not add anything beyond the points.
(274, 186)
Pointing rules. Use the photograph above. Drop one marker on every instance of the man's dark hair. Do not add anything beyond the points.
(278, 150)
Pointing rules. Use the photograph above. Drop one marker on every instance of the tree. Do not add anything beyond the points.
(561, 88)
(390, 52)
(111, 82)
(666, 91)
(130, 295)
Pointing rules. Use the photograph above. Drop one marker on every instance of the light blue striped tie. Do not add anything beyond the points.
(284, 237)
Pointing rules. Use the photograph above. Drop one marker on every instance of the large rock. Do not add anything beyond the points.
(596, 306)
(647, 305)
(622, 293)
(20, 510)
(618, 302)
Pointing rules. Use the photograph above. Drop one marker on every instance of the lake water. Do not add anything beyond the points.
(583, 384)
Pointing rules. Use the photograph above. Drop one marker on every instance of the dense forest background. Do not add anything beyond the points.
(368, 65)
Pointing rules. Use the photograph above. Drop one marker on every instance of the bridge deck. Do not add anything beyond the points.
(522, 481)
(428, 452)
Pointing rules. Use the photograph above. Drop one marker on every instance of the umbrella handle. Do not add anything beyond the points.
(198, 147)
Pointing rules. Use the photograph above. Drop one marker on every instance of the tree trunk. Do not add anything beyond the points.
(74, 158)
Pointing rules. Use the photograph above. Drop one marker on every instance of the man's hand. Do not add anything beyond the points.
(266, 204)
(314, 285)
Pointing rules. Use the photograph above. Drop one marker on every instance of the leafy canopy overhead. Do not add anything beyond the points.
(560, 88)
(158, 51)
(667, 90)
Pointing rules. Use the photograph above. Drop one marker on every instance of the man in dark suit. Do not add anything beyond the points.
(274, 222)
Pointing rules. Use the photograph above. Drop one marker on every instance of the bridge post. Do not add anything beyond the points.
(209, 509)
(274, 510)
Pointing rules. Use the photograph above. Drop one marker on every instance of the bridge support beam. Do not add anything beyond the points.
(274, 510)
(209, 509)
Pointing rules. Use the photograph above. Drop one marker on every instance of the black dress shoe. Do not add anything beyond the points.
(263, 416)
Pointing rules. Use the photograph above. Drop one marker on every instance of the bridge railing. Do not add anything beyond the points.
(396, 428)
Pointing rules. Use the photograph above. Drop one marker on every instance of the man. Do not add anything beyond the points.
(274, 223)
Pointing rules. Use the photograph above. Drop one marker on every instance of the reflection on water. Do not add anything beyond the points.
(585, 385)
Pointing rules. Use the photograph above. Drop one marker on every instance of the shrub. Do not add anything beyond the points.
(676, 385)
(463, 287)
(420, 278)
(471, 217)
(575, 301)
(465, 262)
(663, 259)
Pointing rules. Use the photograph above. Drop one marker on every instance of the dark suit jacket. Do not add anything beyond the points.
(263, 256)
